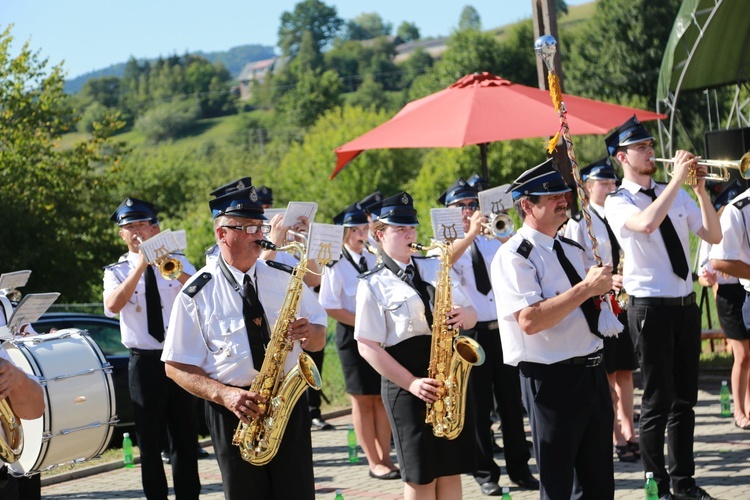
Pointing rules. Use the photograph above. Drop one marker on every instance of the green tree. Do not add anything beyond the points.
(308, 58)
(469, 20)
(408, 32)
(314, 16)
(370, 93)
(366, 26)
(417, 64)
(623, 65)
(313, 95)
(51, 199)
(168, 120)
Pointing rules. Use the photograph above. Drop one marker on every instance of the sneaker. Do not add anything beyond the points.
(694, 493)
(165, 457)
(321, 425)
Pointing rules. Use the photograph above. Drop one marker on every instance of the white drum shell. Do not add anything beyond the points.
(80, 411)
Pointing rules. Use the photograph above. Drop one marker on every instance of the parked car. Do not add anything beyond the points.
(106, 333)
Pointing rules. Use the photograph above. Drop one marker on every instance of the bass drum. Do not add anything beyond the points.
(79, 417)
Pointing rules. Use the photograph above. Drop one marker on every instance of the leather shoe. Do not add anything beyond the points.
(202, 453)
(321, 425)
(491, 489)
(694, 493)
(391, 474)
(527, 482)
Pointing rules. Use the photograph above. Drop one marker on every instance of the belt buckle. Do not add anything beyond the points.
(593, 361)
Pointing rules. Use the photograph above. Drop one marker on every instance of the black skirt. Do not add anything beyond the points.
(359, 376)
(422, 457)
(729, 300)
(619, 352)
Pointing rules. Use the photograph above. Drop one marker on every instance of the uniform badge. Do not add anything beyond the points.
(405, 199)
(253, 196)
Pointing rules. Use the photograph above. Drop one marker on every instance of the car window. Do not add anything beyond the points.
(106, 336)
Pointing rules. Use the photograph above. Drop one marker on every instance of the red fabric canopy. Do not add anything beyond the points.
(482, 108)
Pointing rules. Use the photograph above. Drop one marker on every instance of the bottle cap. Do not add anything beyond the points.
(649, 475)
(338, 491)
(125, 434)
(506, 489)
(723, 382)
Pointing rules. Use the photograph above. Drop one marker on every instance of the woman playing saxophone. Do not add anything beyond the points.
(394, 314)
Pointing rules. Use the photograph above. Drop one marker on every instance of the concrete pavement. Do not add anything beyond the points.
(722, 467)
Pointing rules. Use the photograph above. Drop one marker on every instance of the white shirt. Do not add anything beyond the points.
(464, 270)
(338, 287)
(133, 318)
(577, 231)
(390, 311)
(647, 270)
(735, 229)
(704, 265)
(520, 282)
(208, 330)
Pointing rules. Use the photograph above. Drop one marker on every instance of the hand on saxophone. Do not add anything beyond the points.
(426, 389)
(456, 318)
(245, 404)
(300, 329)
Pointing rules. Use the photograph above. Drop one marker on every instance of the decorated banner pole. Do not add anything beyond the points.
(546, 47)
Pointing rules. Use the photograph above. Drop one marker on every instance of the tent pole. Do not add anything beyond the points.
(483, 156)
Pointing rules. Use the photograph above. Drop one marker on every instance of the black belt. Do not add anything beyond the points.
(589, 361)
(687, 300)
(486, 325)
(146, 352)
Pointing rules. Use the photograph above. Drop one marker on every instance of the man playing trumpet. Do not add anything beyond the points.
(651, 222)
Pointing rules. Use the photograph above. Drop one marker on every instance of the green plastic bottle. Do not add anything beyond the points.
(652, 490)
(351, 442)
(724, 397)
(506, 493)
(127, 451)
(339, 496)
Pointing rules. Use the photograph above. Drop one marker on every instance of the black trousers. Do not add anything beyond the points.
(162, 408)
(313, 395)
(290, 473)
(667, 342)
(571, 415)
(495, 381)
(19, 488)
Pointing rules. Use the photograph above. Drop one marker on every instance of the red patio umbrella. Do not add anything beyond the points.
(482, 108)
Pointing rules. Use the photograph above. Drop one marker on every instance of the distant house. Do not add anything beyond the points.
(433, 46)
(256, 72)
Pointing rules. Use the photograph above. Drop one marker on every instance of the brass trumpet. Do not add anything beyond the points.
(500, 226)
(717, 170)
(169, 267)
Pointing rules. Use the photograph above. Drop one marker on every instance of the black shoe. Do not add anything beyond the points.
(491, 489)
(527, 482)
(391, 474)
(496, 448)
(321, 425)
(694, 493)
(165, 457)
(202, 453)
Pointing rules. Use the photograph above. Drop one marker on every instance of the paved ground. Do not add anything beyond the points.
(722, 467)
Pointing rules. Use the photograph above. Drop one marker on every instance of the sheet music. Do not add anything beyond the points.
(447, 223)
(271, 212)
(495, 200)
(157, 246)
(16, 279)
(297, 209)
(181, 237)
(31, 309)
(325, 242)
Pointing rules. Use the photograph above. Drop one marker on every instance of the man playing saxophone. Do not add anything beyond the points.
(215, 347)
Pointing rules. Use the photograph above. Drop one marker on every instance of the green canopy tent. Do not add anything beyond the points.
(709, 48)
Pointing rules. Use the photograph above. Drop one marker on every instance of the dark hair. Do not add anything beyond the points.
(533, 198)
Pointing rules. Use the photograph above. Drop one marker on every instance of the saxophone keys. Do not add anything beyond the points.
(438, 406)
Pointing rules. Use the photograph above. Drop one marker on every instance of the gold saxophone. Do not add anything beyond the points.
(11, 446)
(450, 361)
(260, 439)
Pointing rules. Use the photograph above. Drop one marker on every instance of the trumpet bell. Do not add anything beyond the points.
(170, 268)
(500, 226)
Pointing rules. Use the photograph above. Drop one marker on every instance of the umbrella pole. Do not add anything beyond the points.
(483, 158)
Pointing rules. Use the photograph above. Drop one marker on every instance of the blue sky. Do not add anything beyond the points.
(90, 35)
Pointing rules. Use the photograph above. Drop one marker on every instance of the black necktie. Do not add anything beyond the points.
(362, 264)
(153, 306)
(252, 311)
(481, 277)
(588, 307)
(672, 242)
(613, 241)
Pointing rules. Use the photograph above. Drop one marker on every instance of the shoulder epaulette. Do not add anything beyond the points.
(372, 271)
(741, 203)
(196, 284)
(110, 266)
(279, 266)
(571, 242)
(524, 249)
(577, 217)
(333, 263)
(616, 191)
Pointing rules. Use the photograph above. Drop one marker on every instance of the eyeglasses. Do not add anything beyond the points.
(467, 206)
(252, 228)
